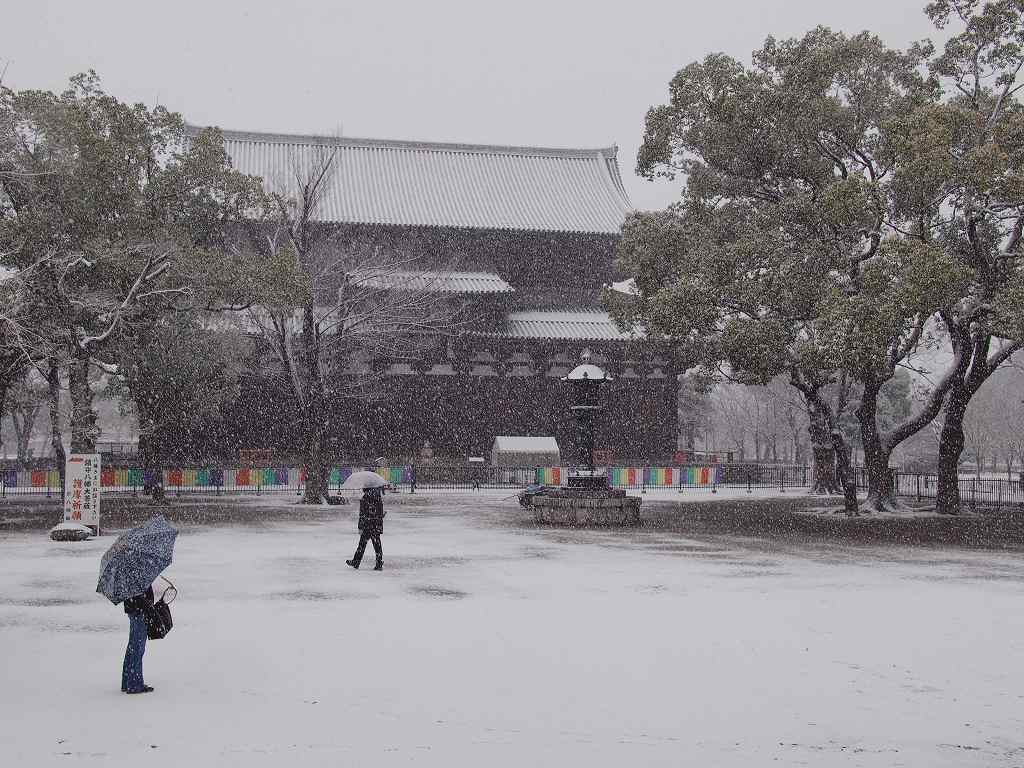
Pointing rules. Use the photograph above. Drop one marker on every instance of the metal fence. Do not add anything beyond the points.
(291, 480)
(266, 480)
(974, 492)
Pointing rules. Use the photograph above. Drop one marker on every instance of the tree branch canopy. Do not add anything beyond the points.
(840, 196)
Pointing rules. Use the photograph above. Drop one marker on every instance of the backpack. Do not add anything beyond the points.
(158, 620)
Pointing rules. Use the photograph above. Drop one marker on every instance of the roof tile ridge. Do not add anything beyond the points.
(437, 146)
(615, 171)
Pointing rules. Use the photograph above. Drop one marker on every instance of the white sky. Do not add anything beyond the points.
(556, 73)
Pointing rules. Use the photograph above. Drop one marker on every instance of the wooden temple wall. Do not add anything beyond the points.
(394, 410)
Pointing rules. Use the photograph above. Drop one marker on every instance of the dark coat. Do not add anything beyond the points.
(140, 603)
(371, 513)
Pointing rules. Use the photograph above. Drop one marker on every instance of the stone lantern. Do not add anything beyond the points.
(587, 381)
(587, 498)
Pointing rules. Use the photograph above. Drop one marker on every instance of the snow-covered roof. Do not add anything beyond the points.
(588, 371)
(581, 325)
(439, 282)
(628, 287)
(412, 183)
(524, 444)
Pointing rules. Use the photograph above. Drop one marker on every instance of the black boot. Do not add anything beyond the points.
(353, 563)
(379, 566)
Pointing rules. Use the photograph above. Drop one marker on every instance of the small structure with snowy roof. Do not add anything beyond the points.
(525, 451)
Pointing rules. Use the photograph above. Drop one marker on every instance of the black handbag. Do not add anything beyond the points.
(158, 620)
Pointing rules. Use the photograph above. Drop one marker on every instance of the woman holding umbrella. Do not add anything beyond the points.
(371, 516)
(127, 572)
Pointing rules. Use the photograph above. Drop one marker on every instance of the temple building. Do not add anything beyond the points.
(526, 237)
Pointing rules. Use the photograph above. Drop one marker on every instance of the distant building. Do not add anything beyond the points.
(517, 451)
(532, 233)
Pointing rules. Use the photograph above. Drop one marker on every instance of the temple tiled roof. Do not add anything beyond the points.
(584, 325)
(439, 282)
(406, 183)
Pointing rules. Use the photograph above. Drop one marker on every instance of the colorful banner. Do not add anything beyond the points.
(395, 475)
(34, 478)
(664, 477)
(550, 476)
(279, 478)
(660, 477)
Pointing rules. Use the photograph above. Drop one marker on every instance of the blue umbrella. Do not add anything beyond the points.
(134, 561)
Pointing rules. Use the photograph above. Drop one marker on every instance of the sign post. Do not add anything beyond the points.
(82, 495)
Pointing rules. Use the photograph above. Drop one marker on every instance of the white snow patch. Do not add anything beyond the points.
(484, 644)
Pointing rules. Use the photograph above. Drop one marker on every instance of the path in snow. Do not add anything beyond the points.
(485, 644)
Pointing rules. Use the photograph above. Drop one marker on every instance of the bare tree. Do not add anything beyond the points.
(994, 423)
(790, 413)
(980, 429)
(350, 300)
(733, 416)
(27, 399)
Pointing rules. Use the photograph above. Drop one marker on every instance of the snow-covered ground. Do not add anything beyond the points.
(488, 644)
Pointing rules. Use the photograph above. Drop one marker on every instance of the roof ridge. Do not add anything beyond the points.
(437, 146)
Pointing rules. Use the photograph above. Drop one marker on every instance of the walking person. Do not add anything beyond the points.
(140, 611)
(371, 526)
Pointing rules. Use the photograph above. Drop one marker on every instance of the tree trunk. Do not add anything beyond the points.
(881, 493)
(314, 416)
(823, 476)
(817, 405)
(316, 460)
(151, 482)
(84, 429)
(24, 428)
(56, 439)
(4, 388)
(845, 473)
(951, 445)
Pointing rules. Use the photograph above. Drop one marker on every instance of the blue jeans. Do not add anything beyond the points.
(131, 673)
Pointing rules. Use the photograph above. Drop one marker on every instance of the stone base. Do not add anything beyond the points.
(585, 479)
(71, 532)
(585, 493)
(581, 506)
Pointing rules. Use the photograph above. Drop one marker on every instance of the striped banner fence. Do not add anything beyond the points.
(665, 477)
(293, 479)
(639, 477)
(18, 481)
(260, 479)
(551, 475)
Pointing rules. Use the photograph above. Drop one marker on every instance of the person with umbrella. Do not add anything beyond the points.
(371, 515)
(140, 610)
(127, 572)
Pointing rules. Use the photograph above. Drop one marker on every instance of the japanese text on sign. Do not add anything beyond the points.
(82, 483)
